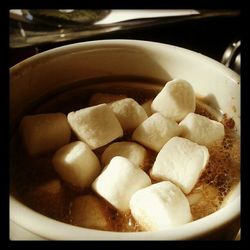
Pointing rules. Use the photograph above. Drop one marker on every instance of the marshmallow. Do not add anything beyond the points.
(207, 110)
(204, 196)
(147, 107)
(118, 181)
(201, 129)
(160, 206)
(100, 98)
(175, 100)
(48, 198)
(130, 150)
(76, 164)
(44, 133)
(97, 125)
(89, 211)
(129, 113)
(180, 161)
(156, 131)
(194, 198)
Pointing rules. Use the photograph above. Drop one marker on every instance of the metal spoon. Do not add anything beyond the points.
(232, 57)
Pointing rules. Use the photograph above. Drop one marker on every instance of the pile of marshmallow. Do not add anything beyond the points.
(166, 124)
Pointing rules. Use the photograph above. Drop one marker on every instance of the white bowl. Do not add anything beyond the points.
(58, 68)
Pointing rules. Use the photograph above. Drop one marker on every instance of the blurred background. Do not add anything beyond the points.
(214, 33)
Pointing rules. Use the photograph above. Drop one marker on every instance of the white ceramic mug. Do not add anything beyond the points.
(58, 68)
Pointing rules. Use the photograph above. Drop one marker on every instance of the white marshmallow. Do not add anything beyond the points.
(77, 164)
(89, 211)
(100, 98)
(201, 129)
(44, 133)
(118, 181)
(200, 104)
(130, 150)
(175, 100)
(129, 113)
(97, 125)
(180, 161)
(48, 198)
(147, 107)
(154, 132)
(160, 206)
(204, 196)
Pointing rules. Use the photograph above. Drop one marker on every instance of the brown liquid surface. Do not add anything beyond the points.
(28, 174)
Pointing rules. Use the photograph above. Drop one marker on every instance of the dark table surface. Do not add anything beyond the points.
(209, 35)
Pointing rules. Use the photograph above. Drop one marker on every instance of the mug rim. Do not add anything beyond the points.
(121, 43)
